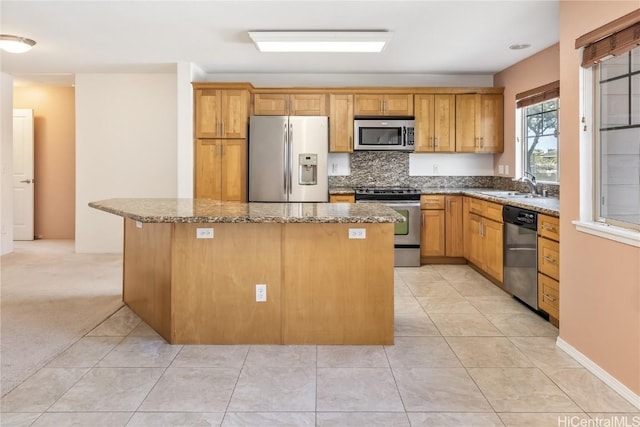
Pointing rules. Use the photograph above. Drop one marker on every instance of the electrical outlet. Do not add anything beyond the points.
(357, 233)
(261, 292)
(506, 169)
(501, 169)
(436, 168)
(138, 224)
(204, 233)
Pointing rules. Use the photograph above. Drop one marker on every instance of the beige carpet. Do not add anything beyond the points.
(49, 298)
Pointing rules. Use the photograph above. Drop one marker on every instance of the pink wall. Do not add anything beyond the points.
(530, 73)
(599, 278)
(54, 157)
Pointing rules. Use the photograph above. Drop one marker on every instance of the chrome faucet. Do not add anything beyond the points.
(530, 179)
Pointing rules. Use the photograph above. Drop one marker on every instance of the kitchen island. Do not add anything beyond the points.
(191, 267)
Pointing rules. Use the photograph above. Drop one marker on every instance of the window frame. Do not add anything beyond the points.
(523, 135)
(589, 196)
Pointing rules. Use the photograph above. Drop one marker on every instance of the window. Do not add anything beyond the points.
(617, 140)
(540, 140)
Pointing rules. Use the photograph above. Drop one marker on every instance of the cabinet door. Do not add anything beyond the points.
(233, 170)
(341, 123)
(432, 237)
(207, 169)
(466, 138)
(398, 105)
(207, 113)
(444, 124)
(454, 235)
(424, 123)
(308, 104)
(492, 247)
(475, 239)
(368, 105)
(491, 123)
(234, 113)
(270, 104)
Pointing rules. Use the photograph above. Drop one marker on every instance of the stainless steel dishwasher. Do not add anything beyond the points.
(521, 254)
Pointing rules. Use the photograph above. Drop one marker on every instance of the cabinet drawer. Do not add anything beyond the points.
(341, 198)
(549, 295)
(493, 211)
(476, 206)
(432, 202)
(549, 227)
(549, 257)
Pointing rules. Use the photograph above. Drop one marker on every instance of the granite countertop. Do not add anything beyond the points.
(545, 205)
(342, 190)
(214, 211)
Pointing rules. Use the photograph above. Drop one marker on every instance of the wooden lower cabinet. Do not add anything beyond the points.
(549, 266)
(342, 198)
(442, 232)
(484, 238)
(432, 241)
(221, 169)
(454, 230)
(549, 295)
(203, 291)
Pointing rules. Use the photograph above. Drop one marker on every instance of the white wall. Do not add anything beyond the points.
(6, 162)
(348, 80)
(184, 155)
(126, 128)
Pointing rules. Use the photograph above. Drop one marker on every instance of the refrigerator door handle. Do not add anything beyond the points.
(285, 159)
(290, 163)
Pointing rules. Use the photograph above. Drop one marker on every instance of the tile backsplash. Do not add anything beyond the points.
(384, 169)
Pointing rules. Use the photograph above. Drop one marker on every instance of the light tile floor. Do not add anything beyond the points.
(465, 354)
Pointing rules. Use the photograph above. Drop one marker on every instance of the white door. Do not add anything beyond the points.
(22, 174)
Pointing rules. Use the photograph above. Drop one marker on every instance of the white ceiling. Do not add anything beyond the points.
(429, 37)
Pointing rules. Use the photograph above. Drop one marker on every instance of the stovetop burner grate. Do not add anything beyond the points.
(387, 193)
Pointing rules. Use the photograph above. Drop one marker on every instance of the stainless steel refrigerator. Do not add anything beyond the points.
(288, 158)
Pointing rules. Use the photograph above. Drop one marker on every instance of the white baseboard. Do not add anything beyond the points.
(596, 370)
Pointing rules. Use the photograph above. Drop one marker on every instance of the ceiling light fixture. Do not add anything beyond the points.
(320, 41)
(519, 46)
(15, 44)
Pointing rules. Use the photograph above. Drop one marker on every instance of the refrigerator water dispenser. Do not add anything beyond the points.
(308, 169)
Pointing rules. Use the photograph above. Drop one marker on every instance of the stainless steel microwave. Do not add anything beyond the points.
(381, 134)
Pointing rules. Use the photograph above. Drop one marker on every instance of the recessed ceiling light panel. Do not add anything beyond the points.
(15, 44)
(320, 41)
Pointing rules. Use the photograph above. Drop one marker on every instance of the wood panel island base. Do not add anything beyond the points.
(191, 267)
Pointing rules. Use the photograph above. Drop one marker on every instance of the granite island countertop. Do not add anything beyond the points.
(214, 211)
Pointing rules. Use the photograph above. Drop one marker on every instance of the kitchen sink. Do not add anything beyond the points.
(509, 194)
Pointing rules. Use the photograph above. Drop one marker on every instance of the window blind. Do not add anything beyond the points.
(539, 94)
(612, 39)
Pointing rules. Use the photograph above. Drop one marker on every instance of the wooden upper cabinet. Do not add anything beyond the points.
(221, 113)
(479, 123)
(284, 104)
(383, 105)
(221, 169)
(341, 123)
(435, 123)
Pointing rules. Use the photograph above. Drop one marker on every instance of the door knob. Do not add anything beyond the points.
(26, 181)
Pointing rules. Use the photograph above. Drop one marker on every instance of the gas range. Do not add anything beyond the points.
(387, 193)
